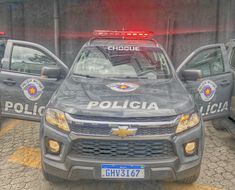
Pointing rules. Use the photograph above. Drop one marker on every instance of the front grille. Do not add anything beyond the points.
(105, 130)
(122, 149)
(123, 119)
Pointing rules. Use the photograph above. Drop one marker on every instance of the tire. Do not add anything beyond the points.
(51, 178)
(190, 179)
(218, 124)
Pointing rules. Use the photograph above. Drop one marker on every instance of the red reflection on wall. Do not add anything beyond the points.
(135, 15)
(2, 33)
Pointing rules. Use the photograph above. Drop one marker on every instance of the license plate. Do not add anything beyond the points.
(122, 171)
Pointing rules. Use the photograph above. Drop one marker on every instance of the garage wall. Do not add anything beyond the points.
(3, 17)
(180, 25)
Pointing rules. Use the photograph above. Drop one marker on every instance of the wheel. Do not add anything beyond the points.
(191, 179)
(218, 124)
(51, 178)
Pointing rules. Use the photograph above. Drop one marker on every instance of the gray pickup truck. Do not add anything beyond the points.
(121, 112)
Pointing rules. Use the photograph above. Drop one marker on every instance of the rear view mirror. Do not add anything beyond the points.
(51, 72)
(191, 74)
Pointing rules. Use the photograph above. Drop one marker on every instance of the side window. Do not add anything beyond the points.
(209, 61)
(232, 62)
(28, 60)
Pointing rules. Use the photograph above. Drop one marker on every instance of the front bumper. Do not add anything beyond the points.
(174, 168)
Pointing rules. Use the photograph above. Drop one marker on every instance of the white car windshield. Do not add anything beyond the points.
(127, 62)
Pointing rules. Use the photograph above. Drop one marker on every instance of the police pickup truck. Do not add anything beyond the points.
(121, 112)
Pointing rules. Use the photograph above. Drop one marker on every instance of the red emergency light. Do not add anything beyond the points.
(123, 34)
(2, 33)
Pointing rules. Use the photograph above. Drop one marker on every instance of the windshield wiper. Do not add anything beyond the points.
(86, 76)
(137, 77)
(129, 77)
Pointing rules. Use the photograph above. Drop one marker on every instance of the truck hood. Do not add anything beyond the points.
(119, 98)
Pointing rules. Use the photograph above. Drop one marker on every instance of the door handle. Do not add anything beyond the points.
(9, 82)
(225, 83)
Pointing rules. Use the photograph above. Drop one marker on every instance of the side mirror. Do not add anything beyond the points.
(51, 72)
(191, 74)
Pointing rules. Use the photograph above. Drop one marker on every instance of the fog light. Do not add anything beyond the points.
(54, 146)
(190, 148)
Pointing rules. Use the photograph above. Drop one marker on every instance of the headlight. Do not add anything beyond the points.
(57, 118)
(187, 121)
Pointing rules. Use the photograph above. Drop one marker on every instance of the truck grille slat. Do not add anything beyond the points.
(106, 130)
(116, 149)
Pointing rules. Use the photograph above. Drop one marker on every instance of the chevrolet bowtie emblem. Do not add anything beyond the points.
(124, 131)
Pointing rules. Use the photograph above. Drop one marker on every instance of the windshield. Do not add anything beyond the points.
(122, 62)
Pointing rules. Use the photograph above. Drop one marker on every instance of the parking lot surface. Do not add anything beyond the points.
(20, 166)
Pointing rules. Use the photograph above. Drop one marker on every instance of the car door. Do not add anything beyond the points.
(231, 54)
(24, 91)
(212, 90)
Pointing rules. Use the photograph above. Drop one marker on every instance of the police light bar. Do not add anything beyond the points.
(123, 34)
(2, 33)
